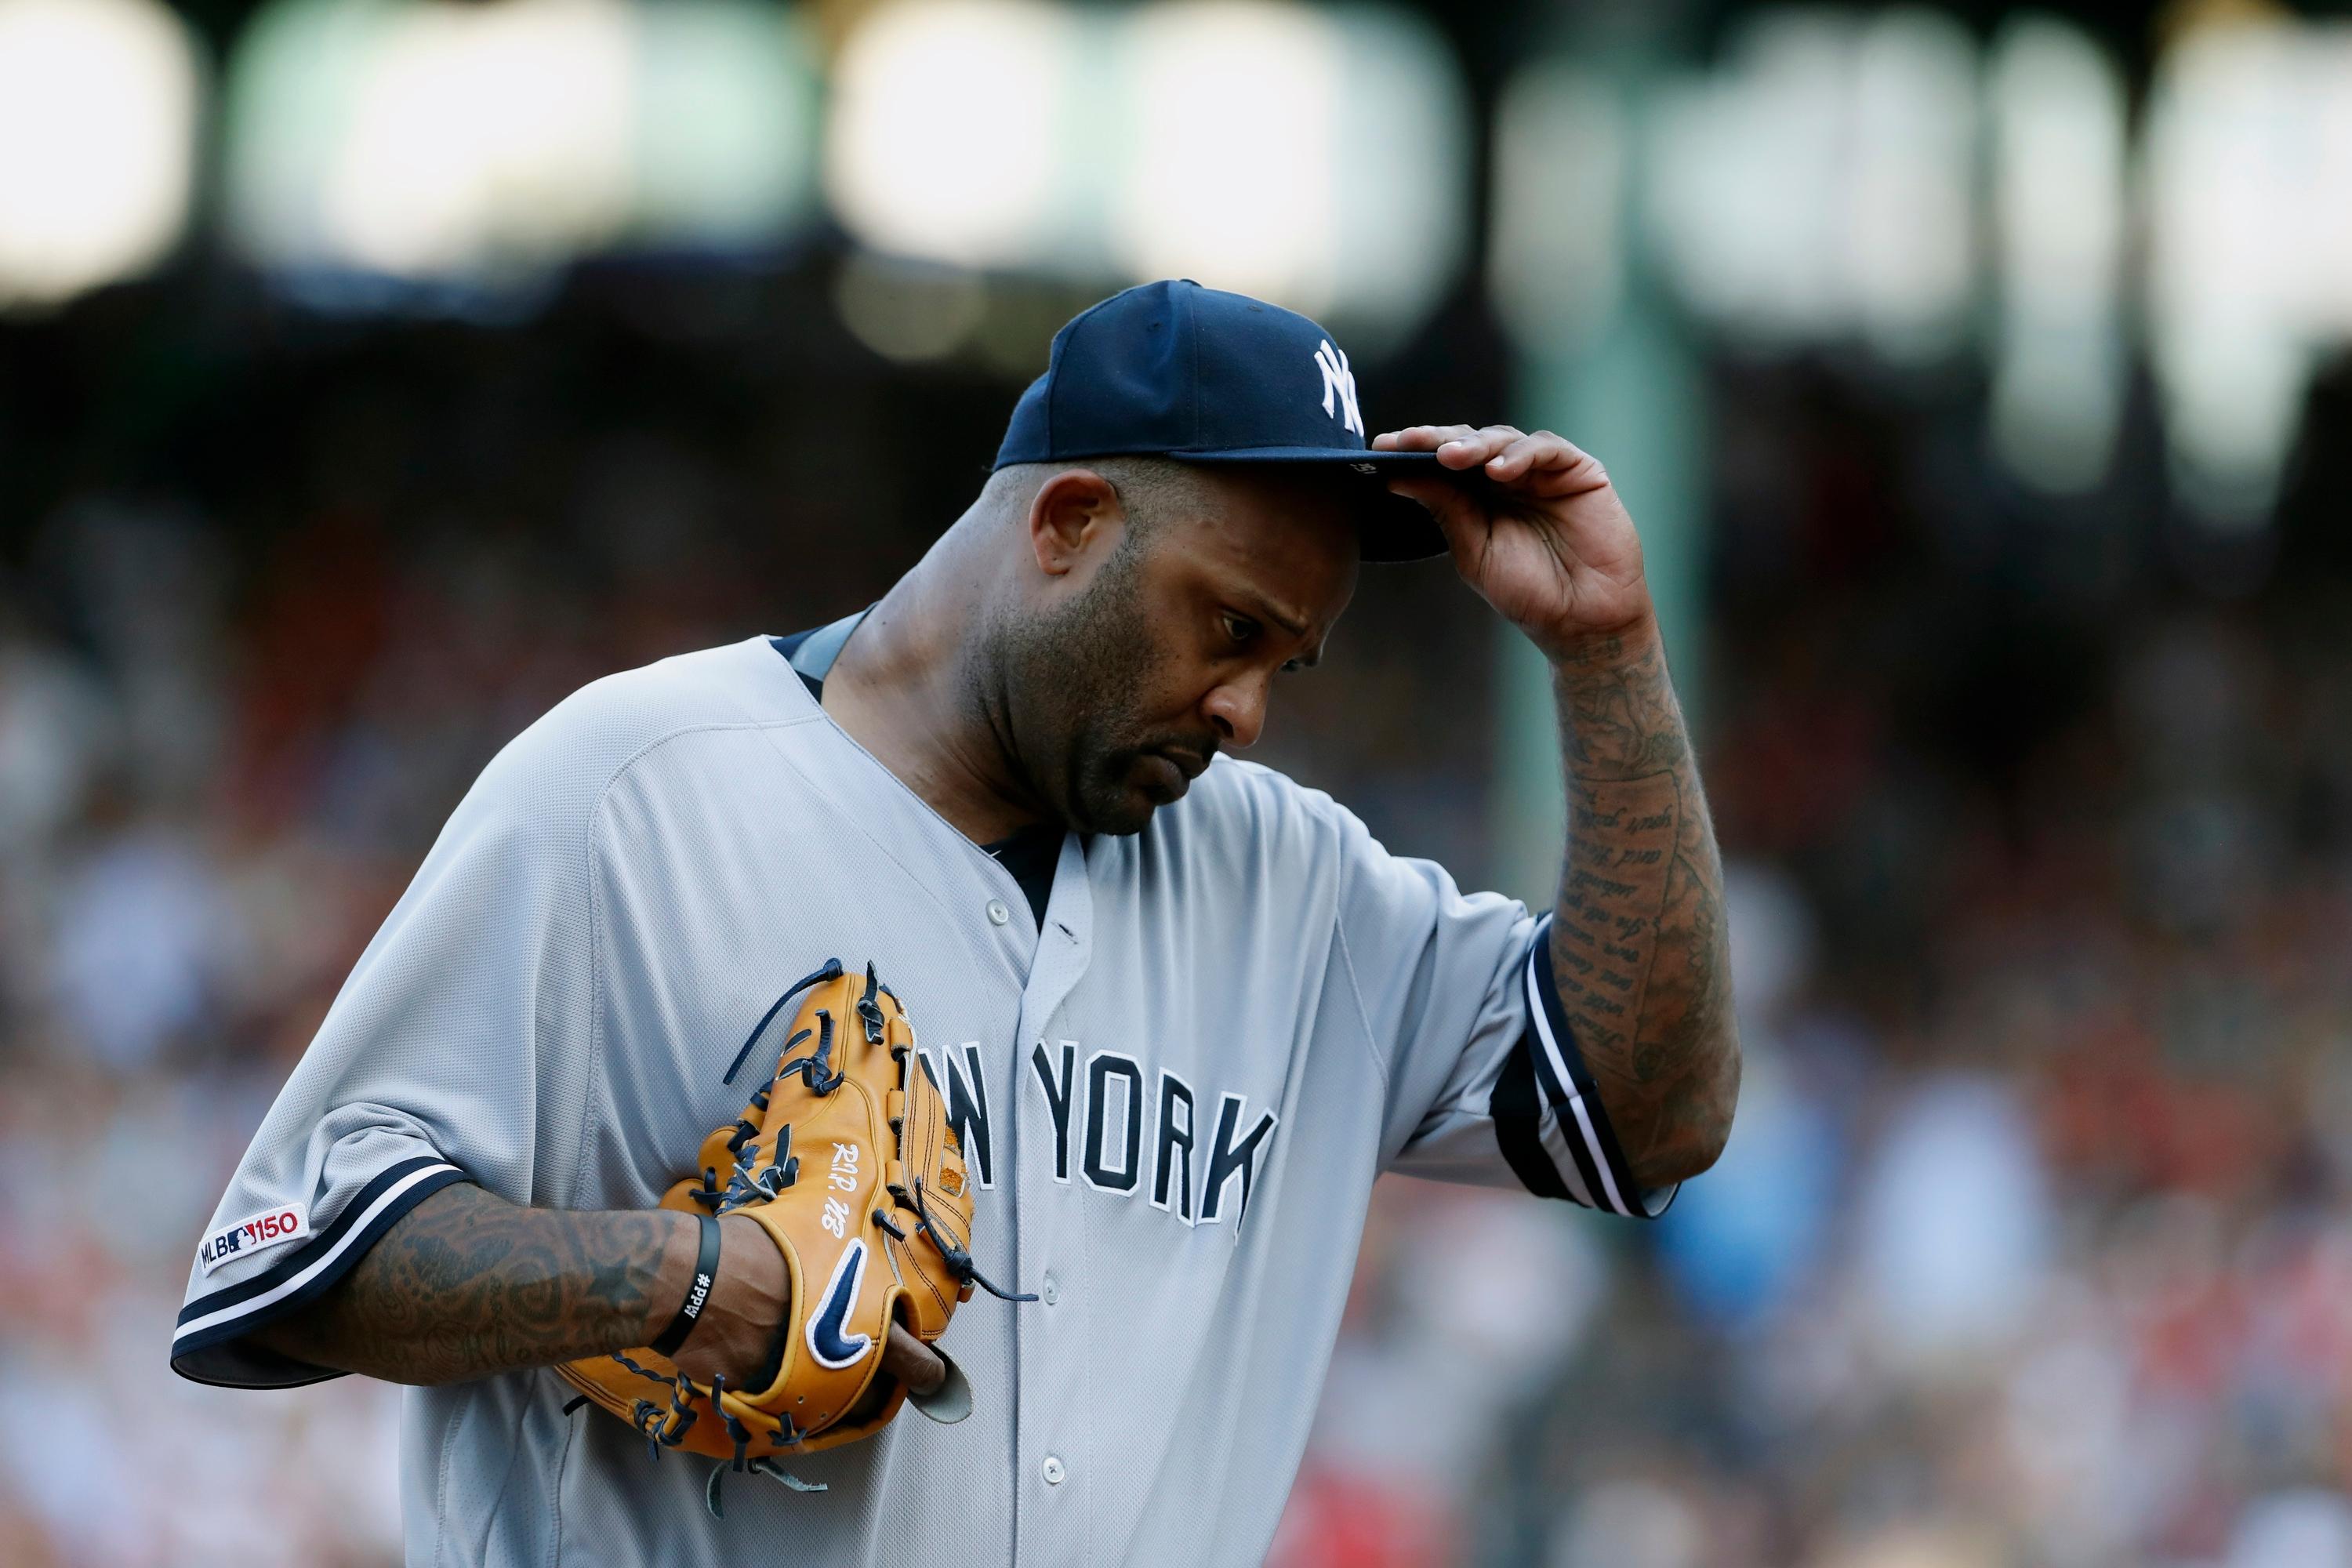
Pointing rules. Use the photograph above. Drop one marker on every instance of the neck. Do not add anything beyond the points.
(917, 687)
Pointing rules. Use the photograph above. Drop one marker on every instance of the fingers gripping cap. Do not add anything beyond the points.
(1172, 369)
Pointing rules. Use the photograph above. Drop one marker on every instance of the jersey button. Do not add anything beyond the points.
(1051, 1291)
(997, 913)
(1054, 1471)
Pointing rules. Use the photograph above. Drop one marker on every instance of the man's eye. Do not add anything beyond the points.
(1241, 628)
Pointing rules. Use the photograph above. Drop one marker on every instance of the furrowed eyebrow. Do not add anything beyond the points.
(1262, 608)
(1266, 612)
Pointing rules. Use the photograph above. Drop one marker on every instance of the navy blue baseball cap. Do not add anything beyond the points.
(1172, 369)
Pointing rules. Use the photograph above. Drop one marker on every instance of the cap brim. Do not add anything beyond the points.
(1392, 528)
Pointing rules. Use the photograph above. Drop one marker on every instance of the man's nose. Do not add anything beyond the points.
(1237, 709)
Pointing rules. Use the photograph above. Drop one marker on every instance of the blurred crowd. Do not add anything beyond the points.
(2033, 1244)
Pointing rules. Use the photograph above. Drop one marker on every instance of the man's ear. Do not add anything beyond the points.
(1075, 516)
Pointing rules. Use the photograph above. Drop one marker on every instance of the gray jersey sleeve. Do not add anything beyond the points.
(456, 1050)
(1486, 1084)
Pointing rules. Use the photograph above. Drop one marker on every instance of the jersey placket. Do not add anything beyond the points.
(1054, 1463)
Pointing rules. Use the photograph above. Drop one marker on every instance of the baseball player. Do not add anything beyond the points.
(1179, 1011)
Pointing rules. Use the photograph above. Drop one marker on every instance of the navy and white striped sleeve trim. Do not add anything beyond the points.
(1546, 1115)
(202, 1347)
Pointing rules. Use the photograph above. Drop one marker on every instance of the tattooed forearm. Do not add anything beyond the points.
(468, 1284)
(1639, 947)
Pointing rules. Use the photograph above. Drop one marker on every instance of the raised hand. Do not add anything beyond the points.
(1546, 541)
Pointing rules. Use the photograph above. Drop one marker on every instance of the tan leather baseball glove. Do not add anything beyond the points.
(846, 1158)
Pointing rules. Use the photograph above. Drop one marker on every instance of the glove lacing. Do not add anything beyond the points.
(667, 1425)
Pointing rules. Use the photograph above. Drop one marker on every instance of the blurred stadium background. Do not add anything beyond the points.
(375, 371)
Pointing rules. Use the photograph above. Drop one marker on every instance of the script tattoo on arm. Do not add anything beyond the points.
(466, 1284)
(1639, 947)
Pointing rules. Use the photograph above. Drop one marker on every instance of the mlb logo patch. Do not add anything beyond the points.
(271, 1227)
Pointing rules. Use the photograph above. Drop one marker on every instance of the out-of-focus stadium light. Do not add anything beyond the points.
(2249, 170)
(98, 104)
(2056, 106)
(949, 120)
(1403, 170)
(1311, 156)
(1314, 156)
(485, 135)
(1823, 182)
(1234, 111)
(1744, 181)
(484, 143)
(1912, 219)
(1556, 267)
(726, 124)
(907, 311)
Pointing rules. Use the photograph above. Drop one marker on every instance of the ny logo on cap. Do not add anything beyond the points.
(1339, 383)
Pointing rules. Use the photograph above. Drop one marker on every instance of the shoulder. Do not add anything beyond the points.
(1233, 785)
(1237, 803)
(1251, 816)
(564, 761)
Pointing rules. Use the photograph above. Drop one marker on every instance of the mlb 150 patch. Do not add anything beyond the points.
(271, 1227)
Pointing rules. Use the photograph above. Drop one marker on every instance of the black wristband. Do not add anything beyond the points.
(705, 1275)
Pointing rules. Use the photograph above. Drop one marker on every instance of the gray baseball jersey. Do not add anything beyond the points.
(1174, 1092)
